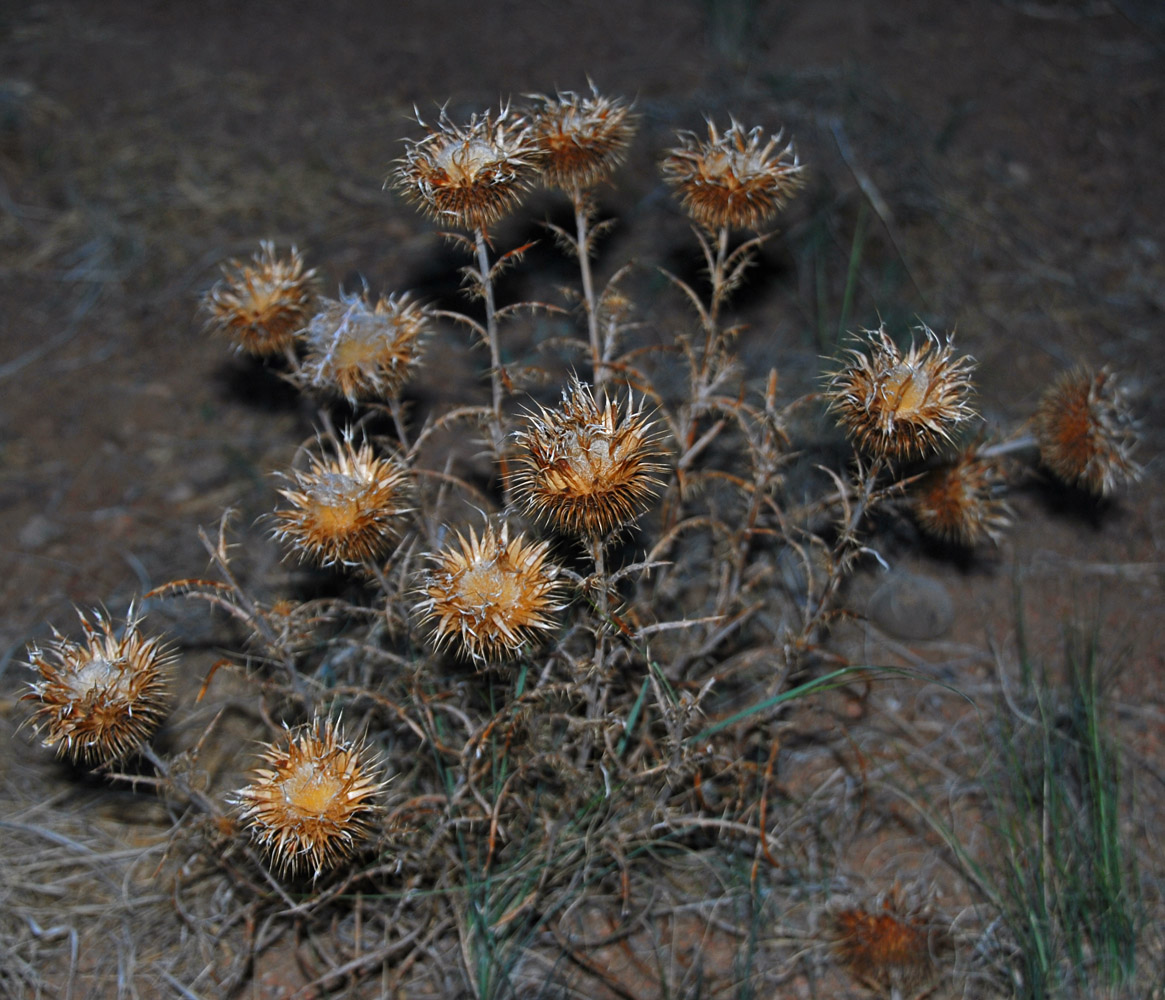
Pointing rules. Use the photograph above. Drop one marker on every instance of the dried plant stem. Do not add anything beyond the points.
(497, 375)
(1021, 443)
(584, 235)
(596, 692)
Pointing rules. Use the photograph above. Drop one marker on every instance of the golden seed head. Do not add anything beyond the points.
(489, 596)
(891, 951)
(361, 349)
(1085, 430)
(588, 467)
(900, 406)
(311, 803)
(735, 180)
(961, 502)
(581, 139)
(345, 509)
(101, 698)
(262, 305)
(468, 175)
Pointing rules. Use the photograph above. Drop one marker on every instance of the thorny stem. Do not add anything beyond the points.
(846, 547)
(719, 294)
(595, 692)
(497, 377)
(582, 219)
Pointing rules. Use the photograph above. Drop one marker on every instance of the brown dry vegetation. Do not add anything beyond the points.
(999, 165)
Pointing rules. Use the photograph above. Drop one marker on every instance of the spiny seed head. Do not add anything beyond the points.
(362, 349)
(735, 180)
(101, 698)
(346, 508)
(1086, 433)
(468, 175)
(891, 950)
(488, 596)
(262, 305)
(588, 467)
(311, 802)
(961, 502)
(581, 139)
(901, 406)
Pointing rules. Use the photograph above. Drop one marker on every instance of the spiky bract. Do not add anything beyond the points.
(901, 406)
(1085, 431)
(346, 508)
(735, 180)
(581, 139)
(588, 467)
(892, 950)
(962, 502)
(362, 349)
(312, 802)
(468, 175)
(101, 698)
(489, 596)
(262, 305)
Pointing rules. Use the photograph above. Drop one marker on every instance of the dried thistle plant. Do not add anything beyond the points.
(894, 950)
(961, 502)
(581, 139)
(346, 508)
(314, 799)
(738, 180)
(1084, 428)
(468, 175)
(361, 349)
(489, 596)
(588, 467)
(261, 306)
(100, 699)
(901, 405)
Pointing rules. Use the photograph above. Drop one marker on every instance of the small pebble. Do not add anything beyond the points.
(911, 606)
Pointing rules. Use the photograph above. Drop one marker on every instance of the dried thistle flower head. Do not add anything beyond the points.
(468, 175)
(312, 802)
(581, 139)
(588, 467)
(1085, 431)
(893, 951)
(961, 502)
(101, 698)
(735, 180)
(488, 596)
(900, 406)
(344, 509)
(262, 305)
(362, 349)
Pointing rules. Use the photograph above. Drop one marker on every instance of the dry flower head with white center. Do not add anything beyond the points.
(313, 800)
(101, 698)
(261, 306)
(488, 596)
(738, 180)
(588, 467)
(469, 175)
(361, 349)
(346, 508)
(901, 405)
